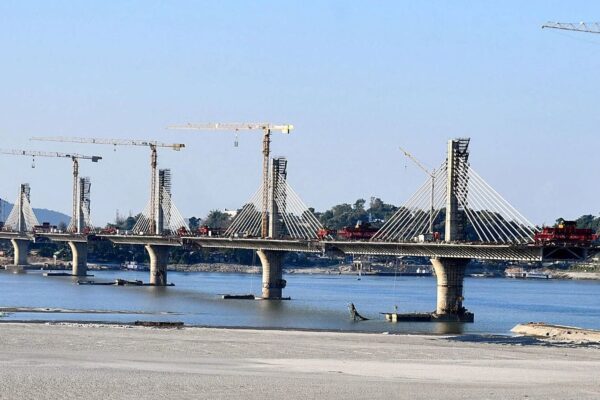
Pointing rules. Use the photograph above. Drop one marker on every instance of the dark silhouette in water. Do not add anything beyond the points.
(354, 314)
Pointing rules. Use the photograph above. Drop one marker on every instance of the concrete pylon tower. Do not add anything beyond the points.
(21, 220)
(163, 194)
(81, 210)
(450, 272)
(272, 261)
(79, 223)
(24, 196)
(277, 196)
(458, 157)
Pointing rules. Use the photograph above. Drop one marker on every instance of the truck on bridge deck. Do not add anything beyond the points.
(566, 233)
(361, 231)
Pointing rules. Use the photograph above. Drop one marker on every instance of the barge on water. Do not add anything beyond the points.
(466, 316)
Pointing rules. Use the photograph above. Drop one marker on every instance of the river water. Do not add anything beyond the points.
(317, 301)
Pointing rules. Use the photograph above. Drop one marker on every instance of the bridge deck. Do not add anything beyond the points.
(256, 244)
(143, 240)
(441, 250)
(497, 252)
(64, 237)
(15, 235)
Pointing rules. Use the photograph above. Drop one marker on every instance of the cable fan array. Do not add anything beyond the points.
(172, 220)
(412, 218)
(22, 203)
(491, 217)
(294, 219)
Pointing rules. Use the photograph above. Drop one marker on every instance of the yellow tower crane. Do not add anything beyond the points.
(153, 145)
(73, 156)
(267, 129)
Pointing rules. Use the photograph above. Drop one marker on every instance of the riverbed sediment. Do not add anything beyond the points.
(91, 361)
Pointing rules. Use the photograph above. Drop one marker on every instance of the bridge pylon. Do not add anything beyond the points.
(287, 218)
(21, 220)
(450, 272)
(161, 217)
(456, 165)
(81, 220)
(461, 207)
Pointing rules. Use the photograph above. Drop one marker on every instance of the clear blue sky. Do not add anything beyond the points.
(357, 79)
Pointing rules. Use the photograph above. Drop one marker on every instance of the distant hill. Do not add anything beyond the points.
(42, 214)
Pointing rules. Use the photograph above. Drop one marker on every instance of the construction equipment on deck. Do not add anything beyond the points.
(589, 27)
(73, 156)
(266, 128)
(153, 145)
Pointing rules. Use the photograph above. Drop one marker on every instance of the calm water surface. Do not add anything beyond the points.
(318, 301)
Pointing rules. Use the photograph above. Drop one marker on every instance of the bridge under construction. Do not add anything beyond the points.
(275, 221)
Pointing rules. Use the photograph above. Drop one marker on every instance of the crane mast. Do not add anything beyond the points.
(267, 129)
(75, 158)
(153, 145)
(432, 176)
(589, 27)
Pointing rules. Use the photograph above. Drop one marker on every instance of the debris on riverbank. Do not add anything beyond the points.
(56, 310)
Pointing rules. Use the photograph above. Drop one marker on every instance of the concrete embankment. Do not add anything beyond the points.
(558, 332)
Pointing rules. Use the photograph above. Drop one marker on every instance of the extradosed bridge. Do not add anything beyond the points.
(477, 222)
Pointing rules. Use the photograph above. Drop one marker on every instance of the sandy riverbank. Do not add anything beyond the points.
(73, 361)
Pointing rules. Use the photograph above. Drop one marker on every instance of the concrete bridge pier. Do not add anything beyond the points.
(159, 257)
(450, 273)
(21, 248)
(79, 252)
(272, 273)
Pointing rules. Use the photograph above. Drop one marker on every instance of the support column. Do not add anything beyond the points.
(159, 257)
(21, 248)
(450, 273)
(79, 252)
(272, 276)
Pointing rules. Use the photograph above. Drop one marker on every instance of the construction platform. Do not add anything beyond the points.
(467, 317)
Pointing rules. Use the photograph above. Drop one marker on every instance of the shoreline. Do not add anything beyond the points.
(524, 333)
(340, 270)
